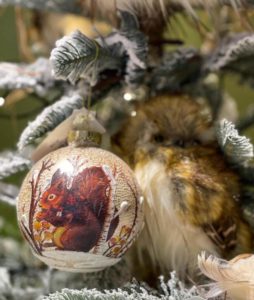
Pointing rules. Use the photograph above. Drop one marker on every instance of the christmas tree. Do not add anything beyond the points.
(112, 57)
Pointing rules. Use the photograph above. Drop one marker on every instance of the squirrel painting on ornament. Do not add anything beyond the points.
(78, 213)
(191, 193)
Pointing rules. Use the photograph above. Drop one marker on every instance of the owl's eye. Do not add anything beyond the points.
(195, 142)
(159, 138)
(185, 144)
(179, 143)
(51, 197)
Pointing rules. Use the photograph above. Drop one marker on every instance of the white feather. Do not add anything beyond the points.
(173, 244)
(236, 277)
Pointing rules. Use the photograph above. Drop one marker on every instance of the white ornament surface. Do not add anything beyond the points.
(80, 209)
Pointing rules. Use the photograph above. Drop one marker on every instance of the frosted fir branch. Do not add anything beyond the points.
(178, 68)
(67, 294)
(5, 282)
(77, 56)
(2, 101)
(12, 163)
(14, 285)
(237, 149)
(49, 118)
(36, 76)
(171, 290)
(22, 266)
(8, 193)
(234, 54)
(131, 42)
(174, 289)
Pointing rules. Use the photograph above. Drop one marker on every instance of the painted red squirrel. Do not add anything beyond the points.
(78, 212)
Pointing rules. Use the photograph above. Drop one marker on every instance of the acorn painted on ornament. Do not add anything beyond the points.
(80, 208)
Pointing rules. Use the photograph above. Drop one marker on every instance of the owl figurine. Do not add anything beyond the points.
(191, 192)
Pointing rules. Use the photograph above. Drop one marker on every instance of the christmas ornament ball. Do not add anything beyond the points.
(80, 209)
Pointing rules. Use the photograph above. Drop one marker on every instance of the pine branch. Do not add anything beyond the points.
(177, 69)
(234, 54)
(67, 294)
(5, 282)
(131, 42)
(36, 76)
(10, 287)
(76, 56)
(171, 290)
(22, 267)
(49, 118)
(11, 163)
(237, 149)
(8, 193)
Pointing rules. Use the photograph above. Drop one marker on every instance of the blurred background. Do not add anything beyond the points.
(20, 108)
(9, 126)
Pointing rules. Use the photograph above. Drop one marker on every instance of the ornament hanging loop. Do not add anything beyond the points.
(86, 131)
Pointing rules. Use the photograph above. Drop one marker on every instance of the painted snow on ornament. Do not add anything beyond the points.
(71, 201)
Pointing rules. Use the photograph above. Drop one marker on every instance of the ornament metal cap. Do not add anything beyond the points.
(85, 129)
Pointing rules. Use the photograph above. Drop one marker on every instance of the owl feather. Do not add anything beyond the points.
(191, 193)
(235, 277)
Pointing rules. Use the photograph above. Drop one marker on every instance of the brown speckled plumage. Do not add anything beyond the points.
(191, 192)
